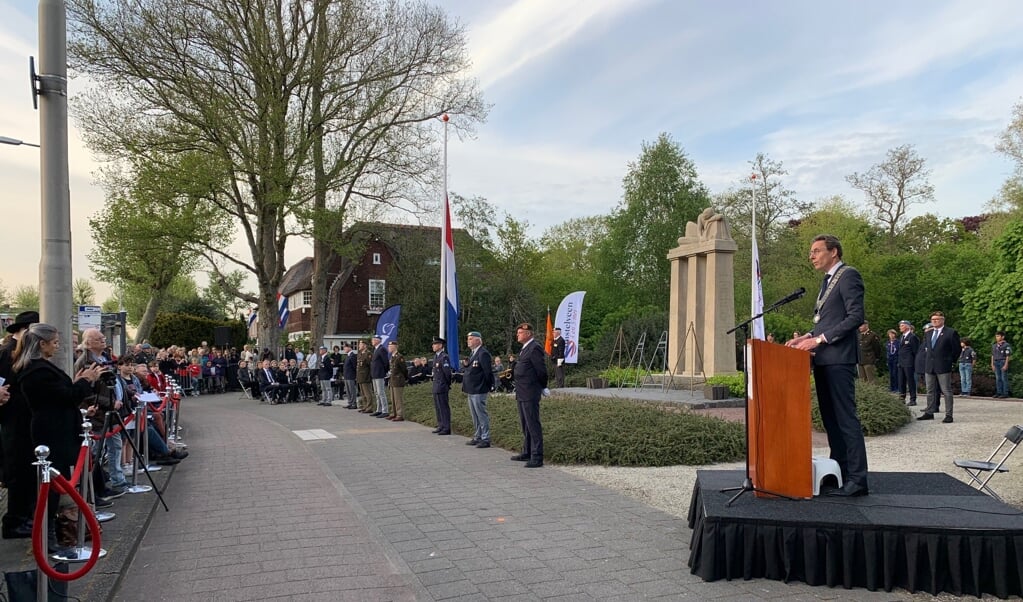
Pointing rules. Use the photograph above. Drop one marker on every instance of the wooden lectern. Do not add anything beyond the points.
(779, 420)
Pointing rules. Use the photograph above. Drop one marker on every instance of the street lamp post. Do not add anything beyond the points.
(15, 142)
(55, 297)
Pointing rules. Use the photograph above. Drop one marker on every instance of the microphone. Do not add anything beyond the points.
(796, 294)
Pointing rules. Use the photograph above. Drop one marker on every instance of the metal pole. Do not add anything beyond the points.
(55, 297)
(135, 459)
(42, 580)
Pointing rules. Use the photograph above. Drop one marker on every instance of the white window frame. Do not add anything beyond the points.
(376, 259)
(377, 288)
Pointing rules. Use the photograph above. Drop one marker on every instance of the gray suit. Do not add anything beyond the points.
(834, 370)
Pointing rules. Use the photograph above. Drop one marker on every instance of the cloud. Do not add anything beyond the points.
(529, 29)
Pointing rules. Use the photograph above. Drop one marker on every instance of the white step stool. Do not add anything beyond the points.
(823, 467)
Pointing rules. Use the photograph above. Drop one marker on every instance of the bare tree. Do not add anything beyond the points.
(1011, 140)
(296, 100)
(775, 202)
(892, 186)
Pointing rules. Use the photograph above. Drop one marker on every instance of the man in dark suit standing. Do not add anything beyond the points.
(558, 355)
(909, 345)
(530, 374)
(838, 314)
(477, 382)
(379, 367)
(942, 345)
(441, 386)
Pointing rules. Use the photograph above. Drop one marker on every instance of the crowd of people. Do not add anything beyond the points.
(41, 405)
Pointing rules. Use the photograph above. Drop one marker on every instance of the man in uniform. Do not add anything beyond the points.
(363, 378)
(397, 381)
(441, 386)
(558, 355)
(838, 313)
(477, 381)
(870, 350)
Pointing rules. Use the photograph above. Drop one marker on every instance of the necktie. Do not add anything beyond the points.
(824, 286)
(934, 338)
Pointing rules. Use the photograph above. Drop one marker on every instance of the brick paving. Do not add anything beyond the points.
(391, 512)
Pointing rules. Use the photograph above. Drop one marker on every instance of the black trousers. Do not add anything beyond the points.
(532, 430)
(908, 378)
(836, 395)
(443, 411)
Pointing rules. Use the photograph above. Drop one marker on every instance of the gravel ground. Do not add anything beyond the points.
(926, 446)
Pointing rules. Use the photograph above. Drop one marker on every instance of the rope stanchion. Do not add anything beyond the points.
(116, 430)
(136, 459)
(50, 477)
(81, 552)
(83, 458)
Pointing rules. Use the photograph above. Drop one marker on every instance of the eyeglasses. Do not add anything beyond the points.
(817, 251)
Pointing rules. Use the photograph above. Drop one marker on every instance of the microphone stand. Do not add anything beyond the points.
(747, 482)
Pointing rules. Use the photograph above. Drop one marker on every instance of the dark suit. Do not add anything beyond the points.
(909, 345)
(530, 374)
(834, 370)
(441, 386)
(268, 383)
(942, 352)
(558, 353)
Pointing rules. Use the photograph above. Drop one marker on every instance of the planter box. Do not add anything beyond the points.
(596, 383)
(715, 392)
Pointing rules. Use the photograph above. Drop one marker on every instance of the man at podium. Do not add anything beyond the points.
(837, 315)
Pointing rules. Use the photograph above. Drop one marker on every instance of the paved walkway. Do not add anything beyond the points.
(388, 511)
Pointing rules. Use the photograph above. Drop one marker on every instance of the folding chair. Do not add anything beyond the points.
(977, 468)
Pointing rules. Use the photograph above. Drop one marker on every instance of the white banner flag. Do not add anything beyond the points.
(567, 320)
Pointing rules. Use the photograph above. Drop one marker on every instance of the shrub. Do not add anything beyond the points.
(880, 412)
(580, 430)
(190, 331)
(619, 377)
(736, 383)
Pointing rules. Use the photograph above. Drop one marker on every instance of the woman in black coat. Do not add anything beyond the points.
(53, 398)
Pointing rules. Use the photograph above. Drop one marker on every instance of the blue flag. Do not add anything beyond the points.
(387, 324)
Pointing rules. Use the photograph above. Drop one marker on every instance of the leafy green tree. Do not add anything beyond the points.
(661, 194)
(25, 296)
(157, 214)
(297, 103)
(83, 292)
(996, 303)
(893, 185)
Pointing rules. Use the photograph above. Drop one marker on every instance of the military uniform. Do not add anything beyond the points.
(364, 380)
(441, 387)
(398, 378)
(1000, 353)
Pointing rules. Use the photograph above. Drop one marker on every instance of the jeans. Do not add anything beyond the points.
(1001, 378)
(113, 450)
(966, 378)
(480, 417)
(380, 388)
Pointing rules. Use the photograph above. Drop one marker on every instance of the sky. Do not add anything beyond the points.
(577, 86)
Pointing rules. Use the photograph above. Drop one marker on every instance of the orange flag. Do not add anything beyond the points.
(549, 335)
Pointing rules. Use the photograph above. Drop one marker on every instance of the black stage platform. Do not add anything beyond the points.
(916, 531)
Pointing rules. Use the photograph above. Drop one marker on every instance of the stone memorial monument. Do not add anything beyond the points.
(702, 299)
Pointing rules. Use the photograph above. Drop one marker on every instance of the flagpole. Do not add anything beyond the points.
(442, 322)
(757, 291)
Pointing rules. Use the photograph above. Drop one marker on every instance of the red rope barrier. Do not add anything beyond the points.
(117, 428)
(79, 466)
(38, 541)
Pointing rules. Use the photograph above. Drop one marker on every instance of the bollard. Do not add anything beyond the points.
(82, 552)
(42, 453)
(135, 486)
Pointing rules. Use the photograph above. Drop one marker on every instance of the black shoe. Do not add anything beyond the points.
(103, 503)
(534, 464)
(22, 531)
(912, 403)
(927, 416)
(179, 454)
(383, 415)
(947, 420)
(520, 458)
(483, 444)
(444, 432)
(472, 442)
(849, 490)
(167, 460)
(435, 431)
(375, 414)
